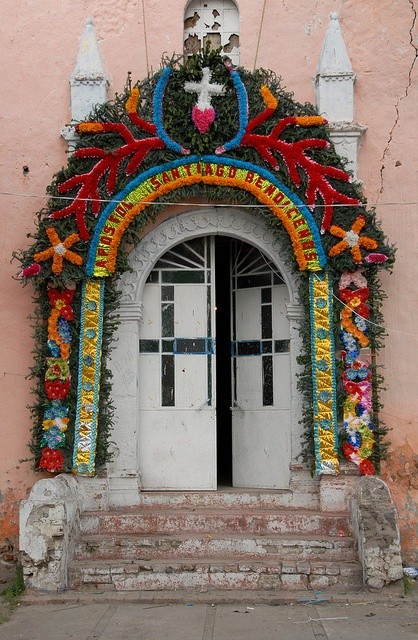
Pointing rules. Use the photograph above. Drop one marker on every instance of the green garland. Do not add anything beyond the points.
(177, 103)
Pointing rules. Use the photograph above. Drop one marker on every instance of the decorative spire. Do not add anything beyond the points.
(334, 84)
(334, 60)
(335, 77)
(88, 81)
(89, 65)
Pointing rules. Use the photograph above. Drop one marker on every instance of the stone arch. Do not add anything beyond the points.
(227, 221)
(239, 224)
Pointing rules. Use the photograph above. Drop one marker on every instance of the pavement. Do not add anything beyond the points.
(128, 617)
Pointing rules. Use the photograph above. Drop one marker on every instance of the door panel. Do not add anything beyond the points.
(261, 369)
(249, 383)
(191, 381)
(177, 426)
(175, 449)
(261, 449)
(190, 310)
(247, 324)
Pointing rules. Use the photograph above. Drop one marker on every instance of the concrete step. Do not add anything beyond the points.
(254, 521)
(222, 499)
(205, 575)
(269, 547)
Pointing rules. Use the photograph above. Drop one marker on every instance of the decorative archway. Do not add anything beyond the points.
(125, 169)
(223, 221)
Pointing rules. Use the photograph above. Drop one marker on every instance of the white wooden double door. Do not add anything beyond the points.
(177, 427)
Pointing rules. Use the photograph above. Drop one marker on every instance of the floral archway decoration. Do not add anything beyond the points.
(205, 132)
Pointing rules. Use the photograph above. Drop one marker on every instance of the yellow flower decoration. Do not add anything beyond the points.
(352, 240)
(59, 251)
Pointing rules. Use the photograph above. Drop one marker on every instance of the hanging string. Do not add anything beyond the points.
(259, 33)
(374, 324)
(145, 36)
(239, 206)
(187, 204)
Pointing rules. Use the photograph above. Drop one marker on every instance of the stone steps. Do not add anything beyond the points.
(268, 547)
(255, 521)
(205, 575)
(215, 541)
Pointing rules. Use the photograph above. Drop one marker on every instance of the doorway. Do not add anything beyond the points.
(214, 369)
(223, 360)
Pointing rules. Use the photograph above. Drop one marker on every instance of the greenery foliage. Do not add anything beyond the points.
(15, 589)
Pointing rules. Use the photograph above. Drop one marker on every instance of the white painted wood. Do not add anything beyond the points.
(261, 435)
(177, 449)
(280, 297)
(261, 449)
(176, 444)
(248, 314)
(191, 381)
(151, 316)
(190, 310)
(149, 378)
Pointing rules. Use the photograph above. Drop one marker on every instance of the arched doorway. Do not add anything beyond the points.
(205, 379)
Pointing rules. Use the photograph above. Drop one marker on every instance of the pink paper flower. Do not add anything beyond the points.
(203, 118)
(376, 258)
(30, 271)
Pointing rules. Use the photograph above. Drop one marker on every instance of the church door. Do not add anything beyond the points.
(214, 375)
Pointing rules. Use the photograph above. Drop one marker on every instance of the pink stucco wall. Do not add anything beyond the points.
(40, 44)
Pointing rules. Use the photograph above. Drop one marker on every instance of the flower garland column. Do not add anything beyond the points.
(323, 375)
(357, 376)
(88, 377)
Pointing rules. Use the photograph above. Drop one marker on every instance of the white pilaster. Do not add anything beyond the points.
(124, 365)
(334, 84)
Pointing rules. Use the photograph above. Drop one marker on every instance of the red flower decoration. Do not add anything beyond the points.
(57, 390)
(66, 295)
(67, 313)
(352, 388)
(367, 468)
(52, 460)
(356, 300)
(348, 450)
(376, 258)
